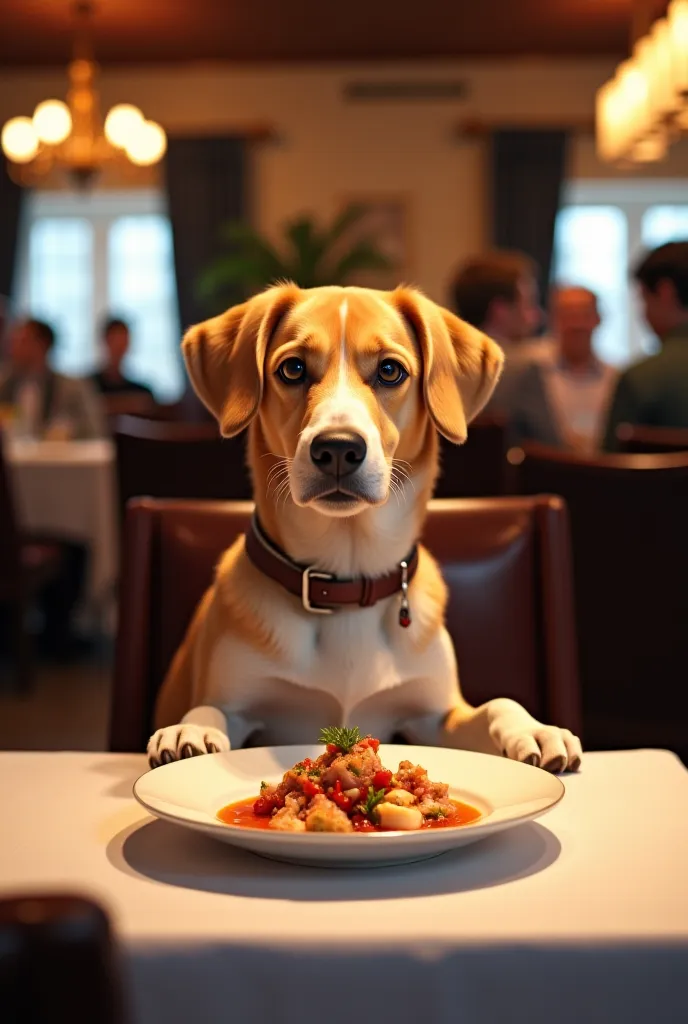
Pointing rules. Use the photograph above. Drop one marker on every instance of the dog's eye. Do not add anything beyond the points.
(292, 370)
(390, 373)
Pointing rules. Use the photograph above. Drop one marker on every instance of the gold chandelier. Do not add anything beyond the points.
(643, 109)
(71, 135)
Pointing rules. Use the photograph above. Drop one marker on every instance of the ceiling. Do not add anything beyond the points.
(39, 32)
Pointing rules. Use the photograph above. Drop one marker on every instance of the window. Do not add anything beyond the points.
(601, 230)
(104, 253)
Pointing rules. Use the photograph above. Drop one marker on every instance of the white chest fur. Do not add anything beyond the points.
(353, 667)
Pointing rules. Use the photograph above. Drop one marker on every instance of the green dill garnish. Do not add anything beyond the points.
(315, 773)
(298, 769)
(263, 786)
(435, 813)
(340, 736)
(374, 797)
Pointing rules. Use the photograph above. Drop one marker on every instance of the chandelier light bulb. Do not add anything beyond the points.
(52, 121)
(19, 140)
(678, 45)
(123, 124)
(147, 145)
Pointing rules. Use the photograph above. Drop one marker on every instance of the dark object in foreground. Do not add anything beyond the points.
(58, 962)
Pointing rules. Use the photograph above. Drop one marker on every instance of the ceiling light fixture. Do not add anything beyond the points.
(71, 134)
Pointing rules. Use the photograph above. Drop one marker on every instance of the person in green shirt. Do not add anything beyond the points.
(654, 392)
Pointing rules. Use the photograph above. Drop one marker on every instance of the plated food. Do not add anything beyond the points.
(190, 792)
(348, 789)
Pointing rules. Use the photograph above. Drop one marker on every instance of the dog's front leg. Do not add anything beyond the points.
(203, 730)
(503, 726)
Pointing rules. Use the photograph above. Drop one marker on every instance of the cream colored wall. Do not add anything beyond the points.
(329, 150)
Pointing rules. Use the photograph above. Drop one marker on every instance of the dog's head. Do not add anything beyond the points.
(342, 381)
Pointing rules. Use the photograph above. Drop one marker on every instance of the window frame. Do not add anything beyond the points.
(101, 208)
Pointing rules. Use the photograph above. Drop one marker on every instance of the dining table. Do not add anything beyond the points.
(67, 490)
(579, 917)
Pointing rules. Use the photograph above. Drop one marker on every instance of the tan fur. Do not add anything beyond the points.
(233, 361)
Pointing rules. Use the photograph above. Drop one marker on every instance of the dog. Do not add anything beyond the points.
(344, 391)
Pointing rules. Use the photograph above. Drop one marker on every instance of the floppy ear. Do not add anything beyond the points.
(460, 364)
(224, 356)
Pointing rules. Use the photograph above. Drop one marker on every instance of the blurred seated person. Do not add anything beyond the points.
(46, 404)
(654, 392)
(563, 401)
(497, 292)
(111, 381)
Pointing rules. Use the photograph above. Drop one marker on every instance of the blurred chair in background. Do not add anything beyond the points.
(58, 962)
(630, 558)
(26, 569)
(650, 440)
(506, 562)
(178, 460)
(478, 468)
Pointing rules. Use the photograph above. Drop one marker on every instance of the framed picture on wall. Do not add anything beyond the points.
(385, 221)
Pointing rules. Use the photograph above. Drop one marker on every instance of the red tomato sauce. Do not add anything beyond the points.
(241, 813)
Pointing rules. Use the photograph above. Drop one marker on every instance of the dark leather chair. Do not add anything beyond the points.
(26, 567)
(650, 440)
(630, 556)
(178, 460)
(510, 614)
(478, 468)
(58, 962)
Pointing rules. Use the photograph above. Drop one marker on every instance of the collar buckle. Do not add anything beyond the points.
(313, 574)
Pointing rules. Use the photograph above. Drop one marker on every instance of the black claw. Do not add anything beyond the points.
(212, 749)
(533, 759)
(575, 764)
(188, 750)
(166, 757)
(555, 765)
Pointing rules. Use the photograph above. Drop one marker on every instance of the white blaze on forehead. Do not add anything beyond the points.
(343, 313)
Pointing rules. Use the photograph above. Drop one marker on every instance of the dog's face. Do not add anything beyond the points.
(343, 381)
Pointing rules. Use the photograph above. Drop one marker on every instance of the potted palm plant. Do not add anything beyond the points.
(310, 255)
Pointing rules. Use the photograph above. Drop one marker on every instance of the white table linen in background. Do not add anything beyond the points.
(578, 918)
(68, 489)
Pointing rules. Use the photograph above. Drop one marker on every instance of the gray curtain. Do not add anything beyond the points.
(528, 168)
(10, 212)
(207, 185)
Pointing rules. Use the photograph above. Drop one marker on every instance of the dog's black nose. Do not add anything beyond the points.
(338, 452)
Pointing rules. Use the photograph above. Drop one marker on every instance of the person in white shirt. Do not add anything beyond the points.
(563, 400)
(497, 292)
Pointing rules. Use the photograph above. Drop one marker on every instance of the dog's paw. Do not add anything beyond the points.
(545, 746)
(179, 741)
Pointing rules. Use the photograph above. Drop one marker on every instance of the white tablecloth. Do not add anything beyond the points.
(578, 918)
(67, 489)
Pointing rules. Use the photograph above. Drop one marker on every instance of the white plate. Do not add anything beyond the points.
(192, 791)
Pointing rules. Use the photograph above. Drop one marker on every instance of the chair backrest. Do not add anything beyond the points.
(510, 614)
(478, 468)
(58, 962)
(651, 440)
(628, 527)
(178, 460)
(10, 562)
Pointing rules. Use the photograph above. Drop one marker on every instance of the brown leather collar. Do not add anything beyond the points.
(321, 592)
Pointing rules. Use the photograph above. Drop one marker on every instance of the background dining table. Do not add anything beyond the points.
(67, 489)
(581, 916)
